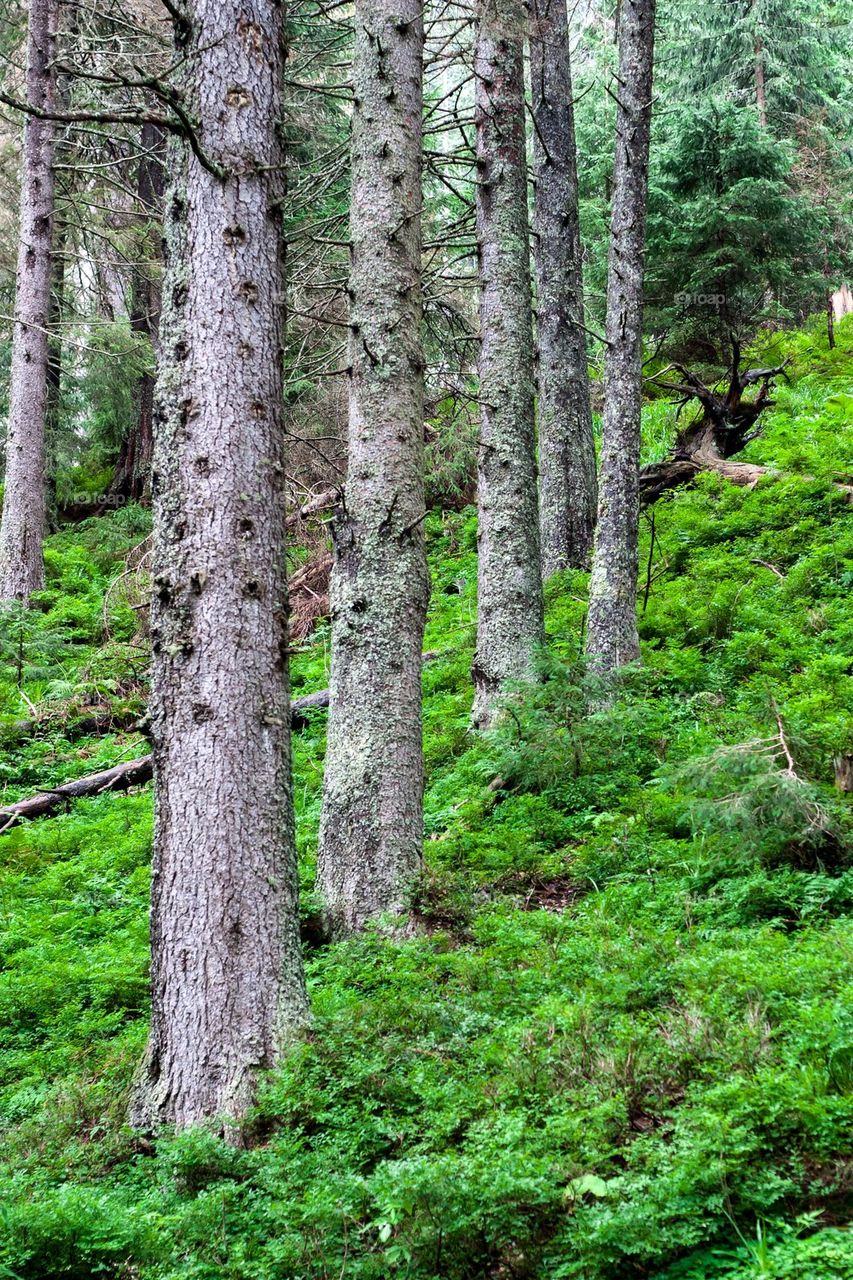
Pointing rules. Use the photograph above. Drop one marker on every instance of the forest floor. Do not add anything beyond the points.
(617, 1040)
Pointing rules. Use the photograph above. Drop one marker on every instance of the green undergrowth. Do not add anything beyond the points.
(616, 1040)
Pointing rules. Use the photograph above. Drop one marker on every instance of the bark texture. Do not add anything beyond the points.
(612, 638)
(509, 578)
(567, 480)
(371, 835)
(22, 523)
(760, 87)
(227, 983)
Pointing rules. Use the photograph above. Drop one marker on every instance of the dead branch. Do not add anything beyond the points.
(133, 773)
(46, 803)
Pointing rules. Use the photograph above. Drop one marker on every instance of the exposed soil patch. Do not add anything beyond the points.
(553, 895)
(542, 893)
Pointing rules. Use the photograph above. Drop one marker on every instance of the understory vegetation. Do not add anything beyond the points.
(615, 1038)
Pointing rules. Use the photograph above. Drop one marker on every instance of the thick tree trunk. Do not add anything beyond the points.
(567, 480)
(371, 833)
(509, 576)
(22, 524)
(612, 638)
(133, 464)
(227, 982)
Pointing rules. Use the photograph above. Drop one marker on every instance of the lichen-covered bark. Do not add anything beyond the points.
(612, 638)
(509, 586)
(371, 833)
(22, 523)
(567, 480)
(227, 981)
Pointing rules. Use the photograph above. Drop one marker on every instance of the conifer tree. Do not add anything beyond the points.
(23, 518)
(612, 638)
(227, 982)
(509, 580)
(567, 480)
(372, 824)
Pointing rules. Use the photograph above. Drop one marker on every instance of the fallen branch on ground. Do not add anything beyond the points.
(94, 723)
(314, 506)
(132, 774)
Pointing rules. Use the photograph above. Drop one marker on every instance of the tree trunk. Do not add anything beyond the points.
(61, 243)
(134, 460)
(22, 525)
(509, 576)
(760, 88)
(227, 982)
(371, 834)
(844, 772)
(612, 638)
(53, 398)
(567, 480)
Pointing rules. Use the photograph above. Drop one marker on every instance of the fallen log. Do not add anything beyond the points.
(132, 774)
(660, 477)
(95, 723)
(315, 506)
(309, 702)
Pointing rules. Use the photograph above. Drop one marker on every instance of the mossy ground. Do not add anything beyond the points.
(619, 1041)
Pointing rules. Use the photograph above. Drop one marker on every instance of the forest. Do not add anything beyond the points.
(426, 642)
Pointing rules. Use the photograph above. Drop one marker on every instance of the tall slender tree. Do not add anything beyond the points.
(612, 638)
(227, 981)
(567, 480)
(372, 825)
(22, 523)
(509, 579)
(134, 460)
